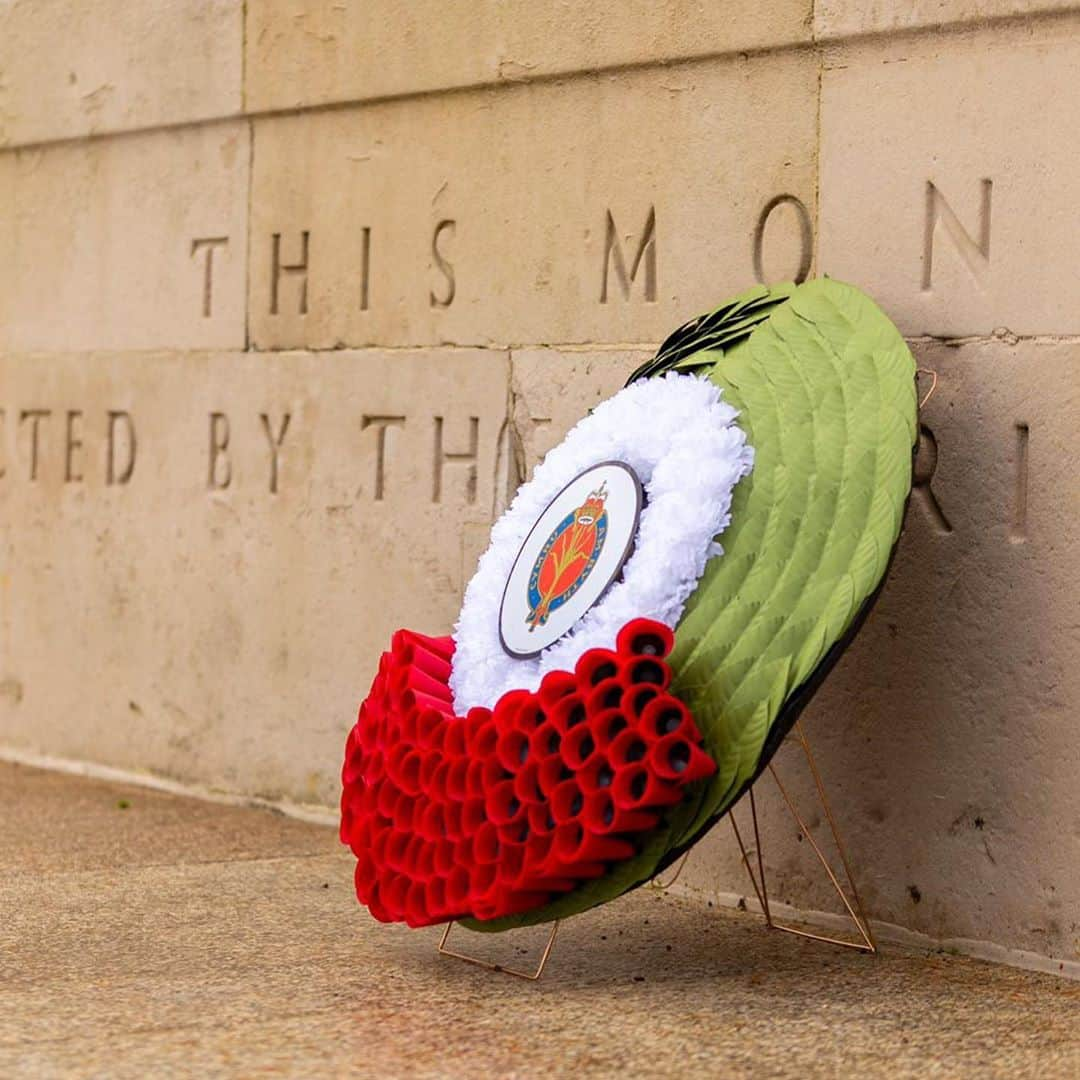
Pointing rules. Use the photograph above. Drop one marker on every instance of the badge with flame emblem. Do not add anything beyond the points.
(567, 558)
(575, 550)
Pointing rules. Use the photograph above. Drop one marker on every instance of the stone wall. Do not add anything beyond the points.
(293, 295)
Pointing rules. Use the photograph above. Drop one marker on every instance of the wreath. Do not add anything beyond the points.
(655, 608)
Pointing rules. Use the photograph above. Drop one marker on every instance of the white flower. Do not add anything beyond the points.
(681, 439)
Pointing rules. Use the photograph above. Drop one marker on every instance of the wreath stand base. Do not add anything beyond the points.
(852, 904)
(849, 895)
(532, 976)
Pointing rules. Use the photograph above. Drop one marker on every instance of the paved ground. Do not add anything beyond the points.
(144, 935)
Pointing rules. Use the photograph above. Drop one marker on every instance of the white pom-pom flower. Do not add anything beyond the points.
(682, 441)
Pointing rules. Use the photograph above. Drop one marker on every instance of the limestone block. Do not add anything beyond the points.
(82, 67)
(955, 210)
(947, 735)
(128, 243)
(203, 554)
(325, 51)
(604, 209)
(843, 18)
(551, 390)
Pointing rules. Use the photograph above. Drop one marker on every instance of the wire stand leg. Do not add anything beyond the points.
(532, 976)
(853, 904)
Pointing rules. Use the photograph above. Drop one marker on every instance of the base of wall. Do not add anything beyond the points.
(324, 815)
(314, 813)
(890, 933)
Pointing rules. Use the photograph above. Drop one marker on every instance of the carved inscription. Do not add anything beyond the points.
(34, 416)
(1020, 506)
(44, 444)
(974, 252)
(468, 458)
(381, 423)
(645, 255)
(629, 263)
(219, 469)
(299, 269)
(120, 448)
(73, 447)
(49, 445)
(208, 245)
(365, 268)
(219, 464)
(926, 459)
(521, 458)
(274, 437)
(806, 238)
(34, 435)
(446, 297)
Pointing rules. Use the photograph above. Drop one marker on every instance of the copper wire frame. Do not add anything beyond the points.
(532, 976)
(933, 384)
(852, 904)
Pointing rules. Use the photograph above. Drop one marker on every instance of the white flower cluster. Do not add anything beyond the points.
(688, 452)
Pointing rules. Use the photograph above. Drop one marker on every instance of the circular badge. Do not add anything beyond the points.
(575, 550)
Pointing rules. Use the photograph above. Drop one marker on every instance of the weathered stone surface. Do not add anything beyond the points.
(532, 214)
(81, 67)
(947, 735)
(324, 51)
(506, 162)
(955, 210)
(240, 967)
(216, 612)
(841, 18)
(130, 243)
(120, 827)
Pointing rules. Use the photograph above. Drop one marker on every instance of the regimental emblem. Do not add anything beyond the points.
(573, 553)
(567, 558)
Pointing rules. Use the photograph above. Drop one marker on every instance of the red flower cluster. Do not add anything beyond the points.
(496, 812)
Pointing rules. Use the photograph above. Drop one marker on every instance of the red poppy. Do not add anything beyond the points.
(497, 812)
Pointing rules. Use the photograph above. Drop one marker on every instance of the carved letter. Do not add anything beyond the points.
(922, 473)
(444, 265)
(219, 447)
(1020, 510)
(380, 423)
(976, 255)
(113, 474)
(72, 443)
(522, 458)
(442, 458)
(277, 269)
(211, 244)
(806, 237)
(35, 416)
(275, 445)
(365, 267)
(613, 254)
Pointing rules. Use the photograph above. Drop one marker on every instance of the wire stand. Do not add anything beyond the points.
(852, 904)
(532, 976)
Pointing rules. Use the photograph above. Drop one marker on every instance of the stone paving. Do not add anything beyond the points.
(144, 934)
